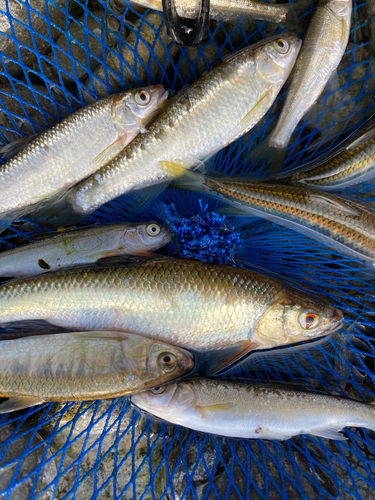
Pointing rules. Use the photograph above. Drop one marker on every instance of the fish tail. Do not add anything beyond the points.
(7, 218)
(57, 211)
(265, 159)
(184, 178)
(296, 16)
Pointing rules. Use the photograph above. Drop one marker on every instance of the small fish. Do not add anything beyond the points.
(322, 50)
(199, 121)
(254, 411)
(352, 163)
(83, 247)
(236, 10)
(84, 365)
(337, 222)
(73, 149)
(187, 303)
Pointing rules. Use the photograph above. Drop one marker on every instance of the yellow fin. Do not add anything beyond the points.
(203, 410)
(256, 113)
(184, 178)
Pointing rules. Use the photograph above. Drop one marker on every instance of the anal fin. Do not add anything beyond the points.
(329, 434)
(16, 403)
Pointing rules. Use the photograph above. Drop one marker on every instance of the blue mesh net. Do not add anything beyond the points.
(55, 55)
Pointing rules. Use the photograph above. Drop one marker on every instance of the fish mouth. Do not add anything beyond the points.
(164, 93)
(337, 320)
(188, 365)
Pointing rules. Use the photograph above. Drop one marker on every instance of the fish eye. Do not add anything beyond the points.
(159, 389)
(282, 46)
(167, 361)
(309, 319)
(142, 98)
(153, 229)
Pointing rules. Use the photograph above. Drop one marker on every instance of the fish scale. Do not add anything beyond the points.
(85, 365)
(346, 168)
(72, 149)
(199, 121)
(341, 221)
(222, 10)
(250, 411)
(322, 50)
(189, 303)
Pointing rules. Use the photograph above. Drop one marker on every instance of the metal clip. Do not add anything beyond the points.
(177, 31)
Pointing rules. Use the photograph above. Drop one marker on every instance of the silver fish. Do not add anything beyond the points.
(73, 149)
(188, 303)
(251, 411)
(234, 10)
(84, 365)
(83, 246)
(216, 110)
(322, 49)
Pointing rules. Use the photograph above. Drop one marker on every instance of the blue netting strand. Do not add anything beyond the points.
(56, 56)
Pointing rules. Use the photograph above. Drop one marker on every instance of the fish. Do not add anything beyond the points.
(254, 411)
(190, 304)
(198, 122)
(236, 10)
(351, 163)
(322, 50)
(73, 149)
(84, 365)
(343, 224)
(83, 246)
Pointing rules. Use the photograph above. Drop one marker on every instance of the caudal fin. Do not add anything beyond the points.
(296, 16)
(265, 159)
(184, 178)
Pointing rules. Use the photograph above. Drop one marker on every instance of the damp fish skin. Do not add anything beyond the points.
(85, 366)
(190, 304)
(235, 10)
(256, 412)
(73, 149)
(343, 224)
(199, 121)
(352, 164)
(322, 50)
(84, 246)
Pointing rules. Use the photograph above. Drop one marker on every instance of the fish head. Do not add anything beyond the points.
(340, 8)
(276, 57)
(134, 108)
(167, 400)
(146, 236)
(162, 363)
(295, 317)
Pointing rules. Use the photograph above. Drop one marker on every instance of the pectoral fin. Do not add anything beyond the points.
(16, 403)
(258, 110)
(109, 153)
(203, 410)
(15, 147)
